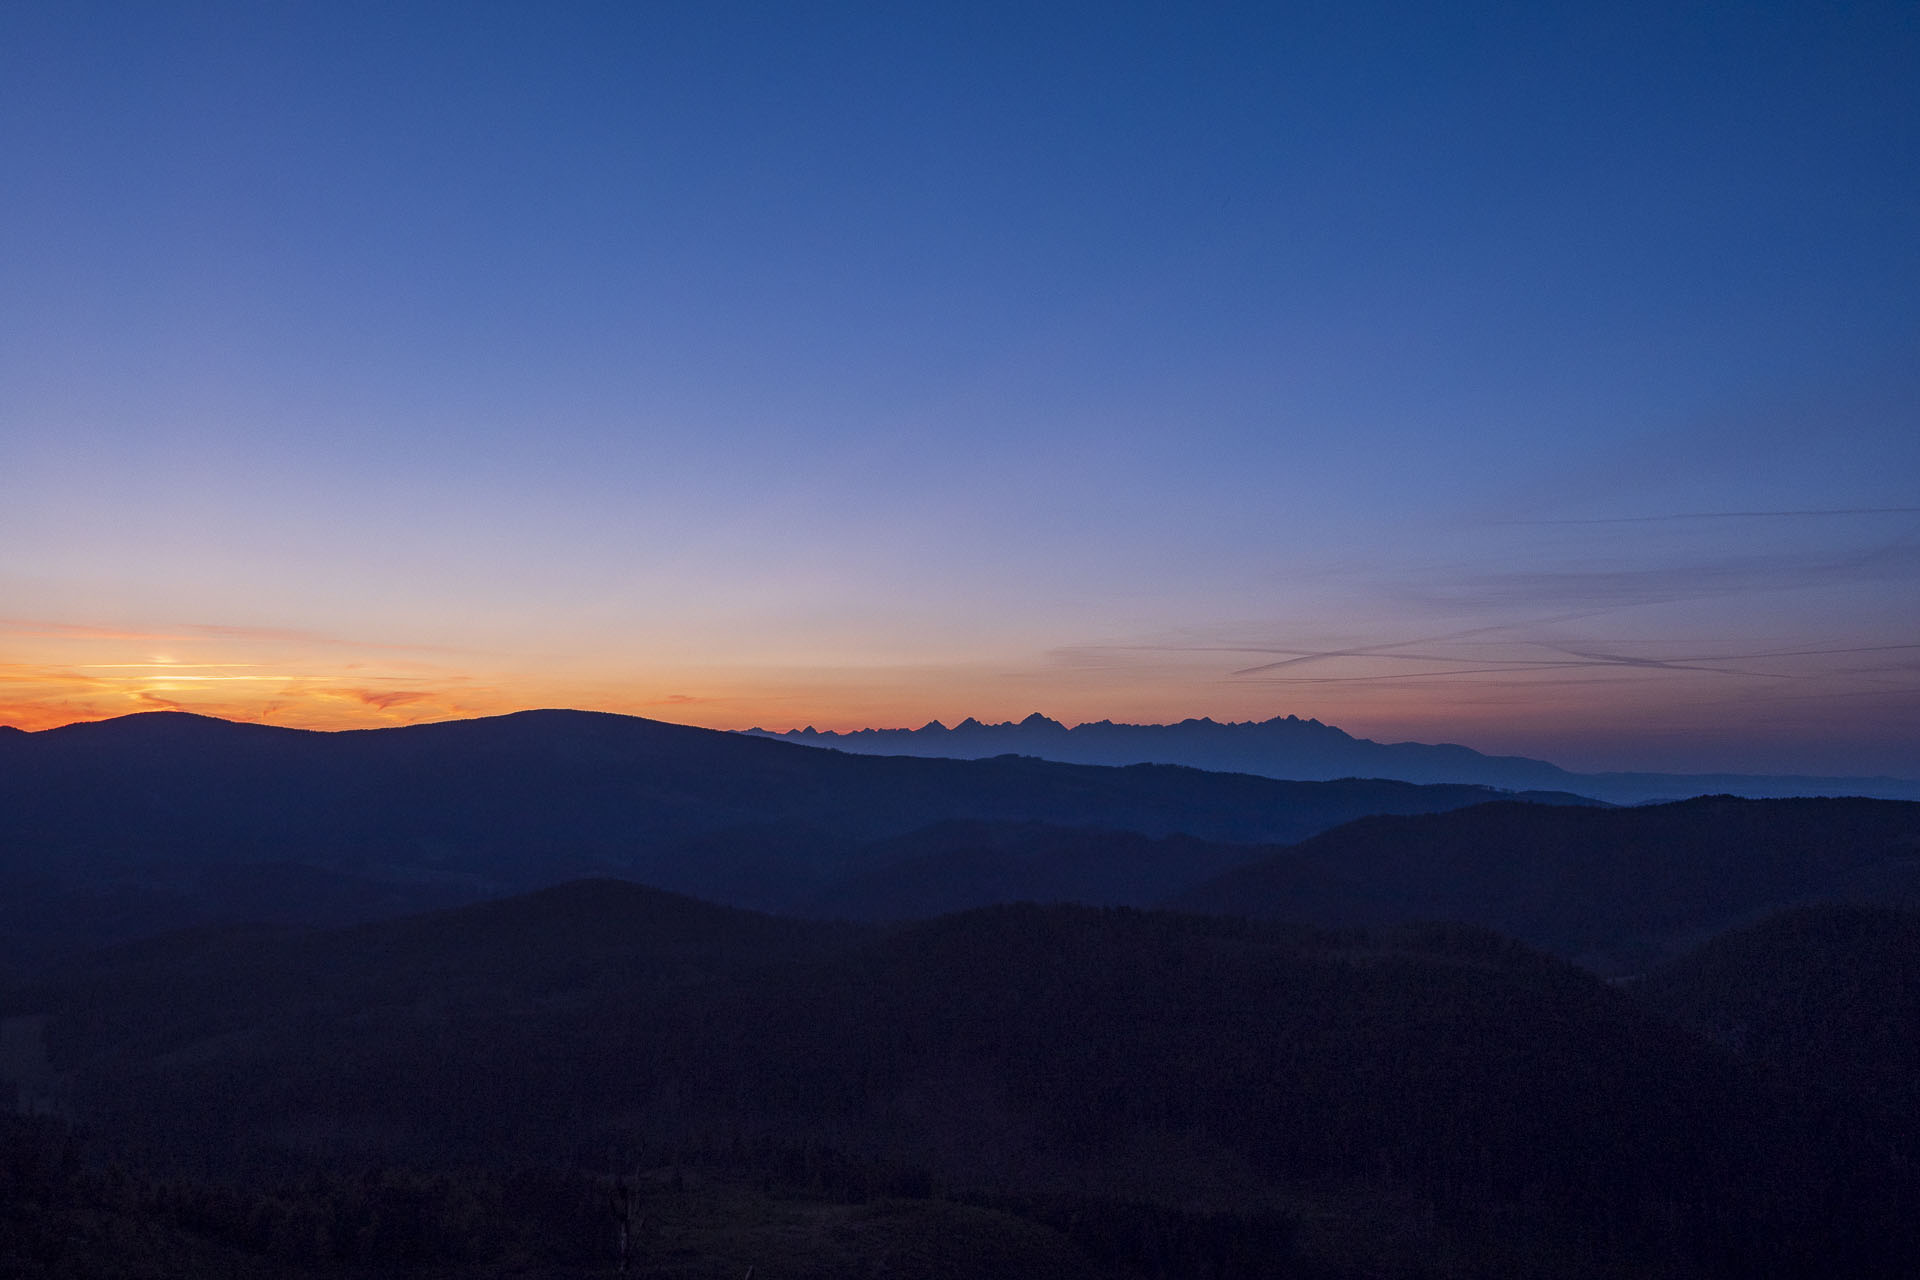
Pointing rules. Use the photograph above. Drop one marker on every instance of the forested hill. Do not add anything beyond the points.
(1416, 1102)
(1617, 888)
(113, 829)
(512, 789)
(1826, 998)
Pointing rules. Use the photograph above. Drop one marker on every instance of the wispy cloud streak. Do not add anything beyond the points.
(1810, 513)
(48, 629)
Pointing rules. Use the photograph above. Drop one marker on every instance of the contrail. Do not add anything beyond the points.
(1732, 515)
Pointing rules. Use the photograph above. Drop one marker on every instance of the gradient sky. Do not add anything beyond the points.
(1545, 378)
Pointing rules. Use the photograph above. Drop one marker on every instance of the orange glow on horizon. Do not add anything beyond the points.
(356, 695)
(59, 674)
(35, 697)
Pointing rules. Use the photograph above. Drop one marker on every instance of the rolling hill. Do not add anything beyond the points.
(1618, 888)
(1412, 1100)
(118, 828)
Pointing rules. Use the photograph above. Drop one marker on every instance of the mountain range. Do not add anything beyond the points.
(114, 829)
(1008, 1016)
(1288, 747)
(121, 829)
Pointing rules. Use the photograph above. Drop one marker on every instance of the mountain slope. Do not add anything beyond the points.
(1613, 886)
(1420, 1095)
(1827, 997)
(113, 828)
(955, 866)
(1821, 1003)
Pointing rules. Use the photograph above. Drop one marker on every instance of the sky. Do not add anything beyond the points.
(1540, 377)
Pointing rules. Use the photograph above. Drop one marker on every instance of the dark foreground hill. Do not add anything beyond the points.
(954, 866)
(1821, 1004)
(1825, 999)
(124, 827)
(1125, 1093)
(1615, 888)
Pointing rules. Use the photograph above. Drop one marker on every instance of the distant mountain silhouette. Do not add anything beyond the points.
(1448, 1101)
(113, 829)
(1614, 887)
(1288, 747)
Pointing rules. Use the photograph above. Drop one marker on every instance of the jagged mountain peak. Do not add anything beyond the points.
(1308, 749)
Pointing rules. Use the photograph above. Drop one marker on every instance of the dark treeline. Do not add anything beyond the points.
(1295, 1076)
(701, 1213)
(1615, 888)
(1139, 1091)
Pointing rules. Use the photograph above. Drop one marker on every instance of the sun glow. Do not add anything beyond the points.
(58, 673)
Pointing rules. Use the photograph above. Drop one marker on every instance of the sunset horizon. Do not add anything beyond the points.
(1543, 384)
(959, 640)
(316, 704)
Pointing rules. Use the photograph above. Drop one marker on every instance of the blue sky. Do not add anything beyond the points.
(1539, 377)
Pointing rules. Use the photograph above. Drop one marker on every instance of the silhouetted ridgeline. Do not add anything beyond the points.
(119, 828)
(1616, 888)
(1288, 747)
(130, 827)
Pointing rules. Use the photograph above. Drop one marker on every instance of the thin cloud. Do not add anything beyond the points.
(41, 629)
(48, 629)
(1599, 589)
(163, 666)
(1482, 653)
(1571, 659)
(283, 635)
(155, 700)
(1602, 659)
(1750, 657)
(1121, 655)
(1141, 660)
(21, 673)
(1426, 675)
(1386, 649)
(386, 699)
(1803, 514)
